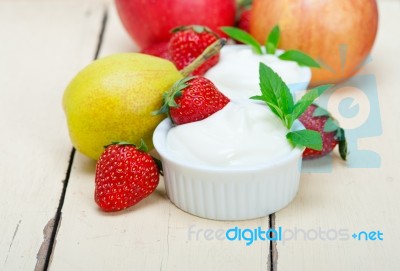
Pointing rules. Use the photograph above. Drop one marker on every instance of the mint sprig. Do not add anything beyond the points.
(307, 138)
(301, 58)
(271, 44)
(244, 37)
(276, 94)
(306, 101)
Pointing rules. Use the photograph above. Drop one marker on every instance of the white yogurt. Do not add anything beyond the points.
(236, 74)
(240, 134)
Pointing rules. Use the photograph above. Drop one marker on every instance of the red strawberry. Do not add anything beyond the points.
(124, 176)
(244, 11)
(244, 20)
(187, 43)
(158, 49)
(192, 99)
(318, 119)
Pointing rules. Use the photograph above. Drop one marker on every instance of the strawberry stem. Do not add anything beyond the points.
(142, 147)
(195, 28)
(209, 52)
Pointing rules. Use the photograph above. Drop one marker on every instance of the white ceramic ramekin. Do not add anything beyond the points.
(236, 74)
(228, 193)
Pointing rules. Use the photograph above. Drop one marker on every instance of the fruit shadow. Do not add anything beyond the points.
(323, 164)
(85, 165)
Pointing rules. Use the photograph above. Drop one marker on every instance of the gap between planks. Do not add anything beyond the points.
(273, 251)
(49, 242)
(51, 229)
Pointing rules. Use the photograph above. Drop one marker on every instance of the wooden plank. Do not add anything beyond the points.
(42, 44)
(153, 235)
(354, 199)
(116, 38)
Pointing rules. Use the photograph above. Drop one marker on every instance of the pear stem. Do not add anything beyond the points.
(209, 52)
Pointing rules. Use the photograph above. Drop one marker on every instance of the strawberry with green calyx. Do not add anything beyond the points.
(243, 21)
(125, 175)
(187, 43)
(318, 119)
(192, 99)
(276, 94)
(271, 44)
(205, 56)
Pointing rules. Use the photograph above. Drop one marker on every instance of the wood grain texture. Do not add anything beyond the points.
(152, 235)
(354, 199)
(42, 45)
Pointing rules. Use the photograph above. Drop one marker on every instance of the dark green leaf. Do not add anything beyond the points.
(142, 147)
(275, 93)
(340, 134)
(245, 3)
(301, 58)
(274, 108)
(198, 28)
(330, 125)
(242, 36)
(272, 41)
(122, 143)
(174, 92)
(320, 112)
(342, 145)
(306, 138)
(269, 47)
(306, 101)
(159, 165)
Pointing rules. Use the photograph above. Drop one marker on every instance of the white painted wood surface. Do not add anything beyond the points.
(42, 45)
(153, 235)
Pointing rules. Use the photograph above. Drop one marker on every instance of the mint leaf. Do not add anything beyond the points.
(320, 112)
(143, 147)
(274, 108)
(306, 101)
(342, 144)
(242, 36)
(276, 94)
(270, 48)
(331, 125)
(301, 58)
(340, 134)
(306, 138)
(272, 41)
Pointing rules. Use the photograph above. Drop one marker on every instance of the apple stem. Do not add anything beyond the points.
(209, 52)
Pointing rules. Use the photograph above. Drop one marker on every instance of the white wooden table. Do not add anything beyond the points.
(48, 218)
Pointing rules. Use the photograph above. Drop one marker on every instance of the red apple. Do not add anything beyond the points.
(339, 33)
(150, 21)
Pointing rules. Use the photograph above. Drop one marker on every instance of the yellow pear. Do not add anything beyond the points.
(113, 98)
